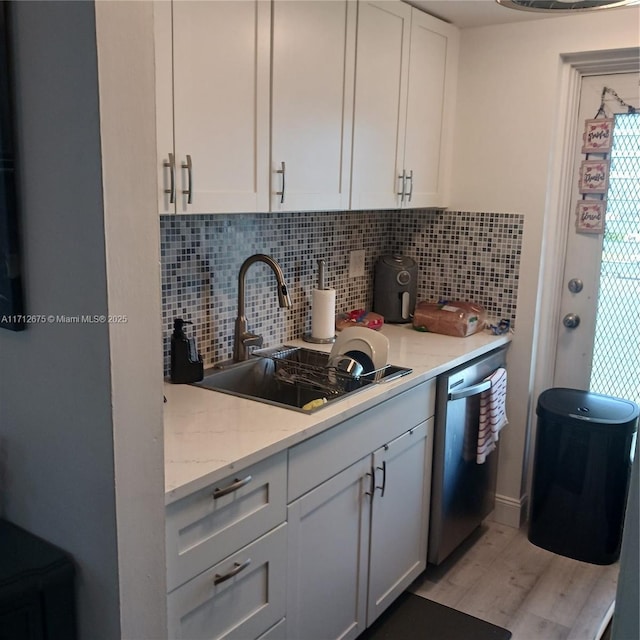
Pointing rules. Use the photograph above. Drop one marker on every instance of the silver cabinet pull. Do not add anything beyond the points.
(383, 468)
(234, 486)
(410, 178)
(282, 170)
(188, 191)
(237, 568)
(403, 177)
(171, 165)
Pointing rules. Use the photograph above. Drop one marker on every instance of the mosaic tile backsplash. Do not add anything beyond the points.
(461, 256)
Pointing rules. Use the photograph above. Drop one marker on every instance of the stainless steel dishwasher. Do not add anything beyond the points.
(462, 491)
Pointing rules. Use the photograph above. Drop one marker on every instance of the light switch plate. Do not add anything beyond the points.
(356, 263)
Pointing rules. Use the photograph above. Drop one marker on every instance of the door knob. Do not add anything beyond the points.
(575, 285)
(571, 320)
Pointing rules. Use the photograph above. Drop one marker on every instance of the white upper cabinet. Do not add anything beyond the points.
(312, 104)
(213, 101)
(256, 112)
(380, 103)
(404, 96)
(433, 63)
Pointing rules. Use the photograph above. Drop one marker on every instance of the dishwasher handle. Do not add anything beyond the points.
(473, 390)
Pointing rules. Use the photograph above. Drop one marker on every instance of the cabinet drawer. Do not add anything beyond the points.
(241, 606)
(213, 523)
(317, 459)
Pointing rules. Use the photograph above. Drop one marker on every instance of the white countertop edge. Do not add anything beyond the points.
(239, 442)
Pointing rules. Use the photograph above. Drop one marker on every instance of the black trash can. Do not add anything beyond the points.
(581, 471)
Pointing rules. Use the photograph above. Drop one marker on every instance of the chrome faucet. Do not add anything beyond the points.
(244, 338)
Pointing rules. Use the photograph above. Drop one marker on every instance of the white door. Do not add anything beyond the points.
(221, 58)
(312, 104)
(599, 338)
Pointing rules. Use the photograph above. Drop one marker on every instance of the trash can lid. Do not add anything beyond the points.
(587, 406)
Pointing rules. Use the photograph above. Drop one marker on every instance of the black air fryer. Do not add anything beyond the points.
(395, 287)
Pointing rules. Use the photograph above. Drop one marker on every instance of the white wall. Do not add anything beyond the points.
(508, 97)
(80, 410)
(132, 240)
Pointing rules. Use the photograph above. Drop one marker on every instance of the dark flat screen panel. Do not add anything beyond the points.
(11, 294)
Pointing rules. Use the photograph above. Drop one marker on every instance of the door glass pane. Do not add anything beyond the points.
(616, 355)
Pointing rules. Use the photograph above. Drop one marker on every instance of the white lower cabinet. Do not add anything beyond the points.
(355, 534)
(327, 558)
(357, 540)
(237, 599)
(400, 516)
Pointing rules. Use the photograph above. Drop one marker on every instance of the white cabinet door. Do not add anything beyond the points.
(380, 103)
(431, 95)
(312, 103)
(404, 99)
(327, 558)
(399, 518)
(241, 597)
(221, 58)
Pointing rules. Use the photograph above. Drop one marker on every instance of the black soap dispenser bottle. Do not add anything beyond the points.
(186, 362)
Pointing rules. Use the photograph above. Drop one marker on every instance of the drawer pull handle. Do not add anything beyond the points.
(237, 568)
(234, 486)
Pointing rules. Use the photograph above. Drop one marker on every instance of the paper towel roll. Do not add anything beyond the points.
(323, 313)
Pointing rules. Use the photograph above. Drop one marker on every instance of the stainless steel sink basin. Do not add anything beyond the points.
(291, 377)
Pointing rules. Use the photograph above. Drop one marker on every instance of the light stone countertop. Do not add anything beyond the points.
(208, 434)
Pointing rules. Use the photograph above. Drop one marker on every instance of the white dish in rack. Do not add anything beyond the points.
(373, 344)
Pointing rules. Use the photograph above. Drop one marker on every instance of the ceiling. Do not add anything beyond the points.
(474, 13)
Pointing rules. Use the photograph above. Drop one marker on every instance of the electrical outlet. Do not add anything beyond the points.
(356, 263)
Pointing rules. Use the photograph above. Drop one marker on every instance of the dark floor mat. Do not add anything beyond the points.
(412, 617)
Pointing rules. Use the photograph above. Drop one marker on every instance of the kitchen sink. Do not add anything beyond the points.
(292, 377)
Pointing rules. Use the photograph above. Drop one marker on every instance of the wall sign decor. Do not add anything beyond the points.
(590, 216)
(594, 176)
(597, 136)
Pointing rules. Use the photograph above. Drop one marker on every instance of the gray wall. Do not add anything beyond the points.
(81, 462)
(626, 617)
(55, 414)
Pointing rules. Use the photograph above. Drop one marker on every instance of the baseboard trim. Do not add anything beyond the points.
(510, 511)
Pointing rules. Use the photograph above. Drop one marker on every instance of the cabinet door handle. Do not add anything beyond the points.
(283, 171)
(410, 178)
(383, 468)
(403, 177)
(234, 486)
(372, 483)
(188, 191)
(171, 165)
(237, 568)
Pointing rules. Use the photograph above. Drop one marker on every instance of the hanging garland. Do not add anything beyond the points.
(594, 172)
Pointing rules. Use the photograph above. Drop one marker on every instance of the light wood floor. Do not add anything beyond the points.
(499, 576)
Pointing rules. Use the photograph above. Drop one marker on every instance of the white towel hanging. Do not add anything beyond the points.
(493, 414)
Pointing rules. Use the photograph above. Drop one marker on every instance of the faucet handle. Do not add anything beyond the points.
(251, 340)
